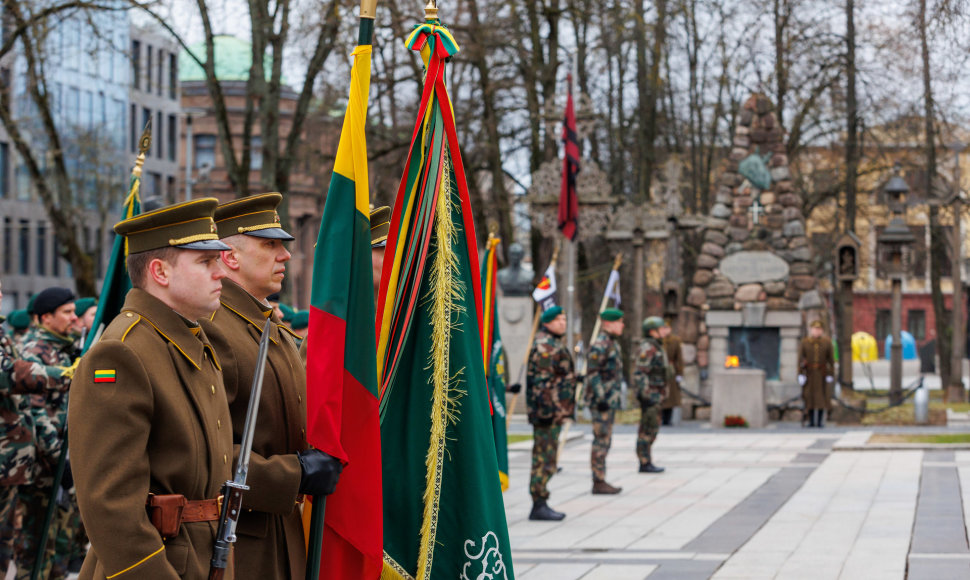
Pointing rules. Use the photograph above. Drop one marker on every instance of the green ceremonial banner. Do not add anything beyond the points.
(495, 374)
(444, 517)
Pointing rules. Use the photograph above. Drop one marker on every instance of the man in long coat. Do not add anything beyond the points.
(270, 542)
(675, 358)
(149, 420)
(816, 363)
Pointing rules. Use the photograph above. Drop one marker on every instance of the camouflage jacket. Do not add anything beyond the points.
(604, 373)
(49, 410)
(650, 375)
(551, 381)
(18, 378)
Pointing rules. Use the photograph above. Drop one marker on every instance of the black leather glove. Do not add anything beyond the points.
(515, 388)
(602, 406)
(67, 480)
(320, 472)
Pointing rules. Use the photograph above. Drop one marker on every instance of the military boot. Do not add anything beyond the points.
(542, 512)
(811, 417)
(820, 422)
(603, 488)
(650, 468)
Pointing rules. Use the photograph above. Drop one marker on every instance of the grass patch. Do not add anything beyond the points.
(899, 438)
(519, 438)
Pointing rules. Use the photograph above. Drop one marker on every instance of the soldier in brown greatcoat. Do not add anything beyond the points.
(149, 420)
(675, 358)
(270, 541)
(816, 364)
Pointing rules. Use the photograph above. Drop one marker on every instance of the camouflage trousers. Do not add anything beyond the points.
(8, 525)
(60, 538)
(649, 426)
(602, 439)
(545, 443)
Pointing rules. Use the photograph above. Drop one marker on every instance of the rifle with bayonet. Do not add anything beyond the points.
(232, 490)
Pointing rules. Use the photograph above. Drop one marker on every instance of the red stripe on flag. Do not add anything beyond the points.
(325, 391)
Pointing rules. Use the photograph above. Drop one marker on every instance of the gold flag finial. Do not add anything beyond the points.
(431, 10)
(144, 144)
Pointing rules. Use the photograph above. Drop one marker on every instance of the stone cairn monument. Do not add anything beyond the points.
(755, 259)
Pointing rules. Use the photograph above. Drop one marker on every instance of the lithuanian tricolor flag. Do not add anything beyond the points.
(342, 416)
(443, 512)
(494, 354)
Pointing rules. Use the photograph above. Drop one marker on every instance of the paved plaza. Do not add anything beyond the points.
(784, 503)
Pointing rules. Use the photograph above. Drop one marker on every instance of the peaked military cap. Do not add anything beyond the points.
(550, 314)
(254, 215)
(611, 314)
(187, 225)
(652, 323)
(380, 224)
(817, 324)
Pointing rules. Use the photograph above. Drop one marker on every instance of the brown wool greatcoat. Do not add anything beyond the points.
(816, 361)
(161, 427)
(270, 542)
(675, 358)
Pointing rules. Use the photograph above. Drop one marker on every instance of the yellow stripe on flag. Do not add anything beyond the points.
(351, 161)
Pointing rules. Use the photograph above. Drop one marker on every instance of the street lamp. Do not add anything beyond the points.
(894, 243)
(955, 389)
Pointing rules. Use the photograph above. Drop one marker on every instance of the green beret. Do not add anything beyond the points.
(30, 305)
(253, 215)
(287, 311)
(611, 314)
(300, 320)
(652, 323)
(19, 320)
(380, 225)
(187, 225)
(550, 314)
(81, 305)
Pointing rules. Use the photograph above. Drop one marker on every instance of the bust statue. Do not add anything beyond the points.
(514, 279)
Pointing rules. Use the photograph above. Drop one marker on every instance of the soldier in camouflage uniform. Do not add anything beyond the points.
(550, 398)
(650, 378)
(18, 378)
(604, 388)
(50, 343)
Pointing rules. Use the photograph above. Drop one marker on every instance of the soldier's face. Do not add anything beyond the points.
(194, 283)
(262, 264)
(614, 327)
(664, 331)
(557, 325)
(61, 320)
(85, 321)
(377, 259)
(815, 331)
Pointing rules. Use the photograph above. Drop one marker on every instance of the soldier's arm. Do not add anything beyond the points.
(274, 481)
(110, 427)
(28, 378)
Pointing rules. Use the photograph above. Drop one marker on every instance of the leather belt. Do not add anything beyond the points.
(203, 510)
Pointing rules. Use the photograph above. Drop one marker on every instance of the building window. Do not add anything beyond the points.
(916, 324)
(159, 131)
(171, 189)
(136, 64)
(4, 169)
(23, 266)
(146, 116)
(156, 179)
(148, 69)
(56, 265)
(884, 324)
(161, 70)
(7, 245)
(41, 249)
(172, 136)
(256, 152)
(173, 76)
(205, 151)
(131, 131)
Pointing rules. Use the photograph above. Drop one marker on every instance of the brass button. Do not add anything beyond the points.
(213, 388)
(218, 424)
(303, 432)
(225, 458)
(299, 398)
(128, 314)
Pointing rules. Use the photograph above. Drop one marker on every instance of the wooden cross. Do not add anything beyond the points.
(757, 210)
